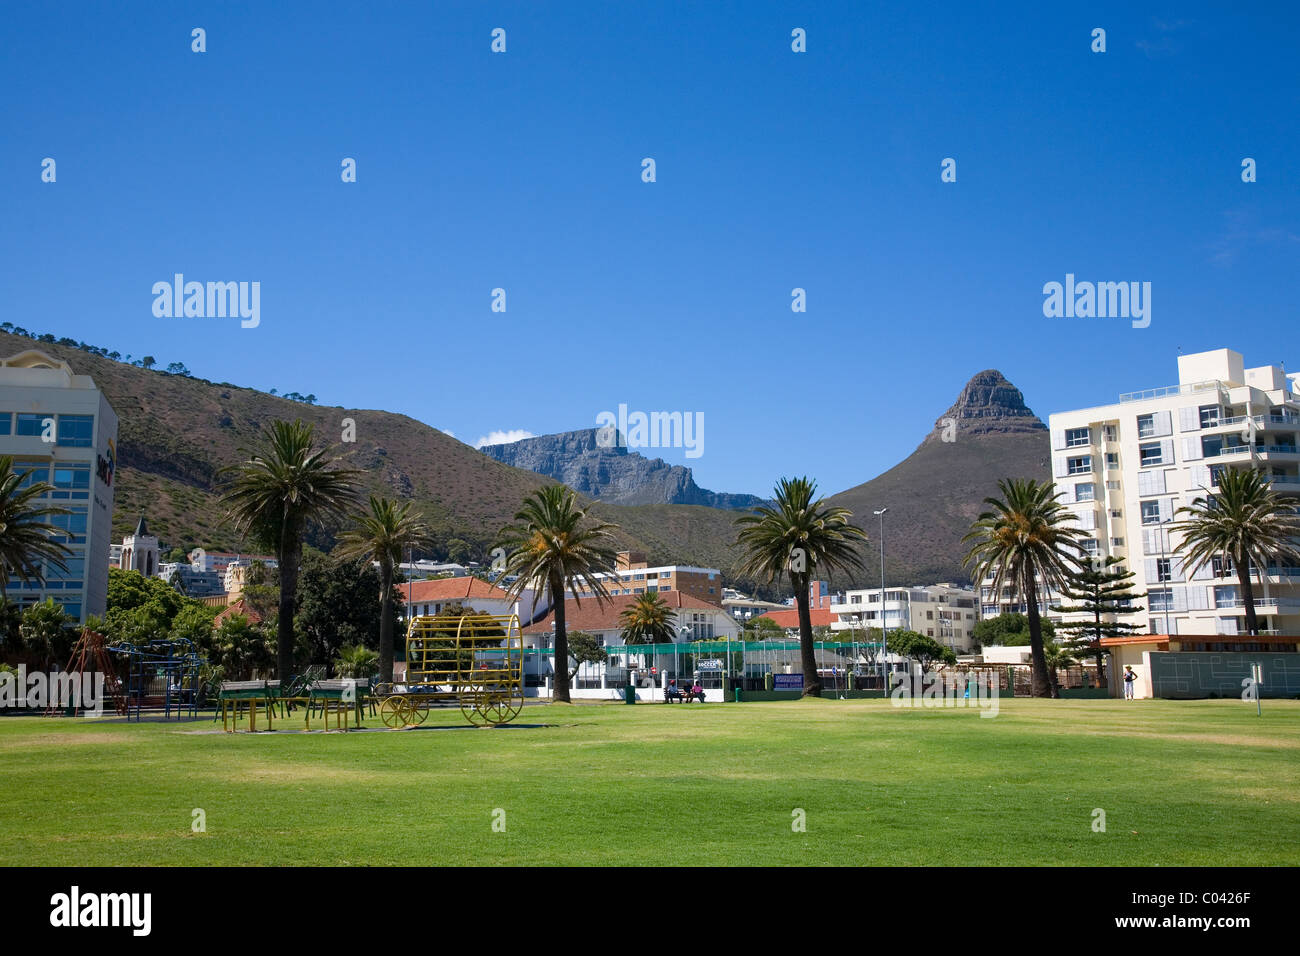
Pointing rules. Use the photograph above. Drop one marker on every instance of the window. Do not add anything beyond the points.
(1117, 542)
(1089, 545)
(1077, 437)
(1150, 512)
(1225, 596)
(1112, 461)
(1163, 570)
(1151, 453)
(1116, 514)
(71, 480)
(33, 425)
(32, 471)
(76, 431)
(1079, 466)
(1209, 416)
(1109, 433)
(1161, 599)
(6, 423)
(1146, 426)
(1111, 485)
(1085, 491)
(1222, 567)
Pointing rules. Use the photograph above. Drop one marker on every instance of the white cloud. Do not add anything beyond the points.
(447, 431)
(503, 437)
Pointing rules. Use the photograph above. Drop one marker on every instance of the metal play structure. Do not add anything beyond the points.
(475, 661)
(161, 676)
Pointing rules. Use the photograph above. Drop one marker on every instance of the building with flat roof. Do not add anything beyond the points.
(1125, 469)
(632, 574)
(58, 428)
(946, 612)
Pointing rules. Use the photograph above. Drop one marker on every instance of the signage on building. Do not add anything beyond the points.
(105, 466)
(712, 664)
(787, 682)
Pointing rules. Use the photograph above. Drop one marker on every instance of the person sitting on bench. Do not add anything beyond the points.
(672, 692)
(697, 692)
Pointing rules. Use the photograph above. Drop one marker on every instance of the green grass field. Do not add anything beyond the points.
(1182, 783)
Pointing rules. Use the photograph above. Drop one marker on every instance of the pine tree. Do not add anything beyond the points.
(1105, 592)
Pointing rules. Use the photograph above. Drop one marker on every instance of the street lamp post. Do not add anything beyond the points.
(884, 666)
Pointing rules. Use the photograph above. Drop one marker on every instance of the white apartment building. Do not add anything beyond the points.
(1125, 470)
(59, 429)
(946, 612)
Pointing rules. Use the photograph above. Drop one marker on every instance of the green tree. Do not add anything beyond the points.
(585, 648)
(239, 648)
(338, 605)
(27, 539)
(382, 536)
(763, 629)
(554, 545)
(1105, 593)
(458, 550)
(920, 647)
(48, 633)
(1010, 629)
(356, 660)
(798, 536)
(1026, 542)
(280, 491)
(648, 620)
(11, 619)
(1244, 521)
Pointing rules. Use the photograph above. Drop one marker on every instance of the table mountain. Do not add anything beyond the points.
(612, 474)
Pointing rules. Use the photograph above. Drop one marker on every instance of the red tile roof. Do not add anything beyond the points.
(452, 589)
(236, 609)
(821, 617)
(592, 616)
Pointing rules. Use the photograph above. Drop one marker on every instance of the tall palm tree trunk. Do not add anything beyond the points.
(1247, 592)
(1042, 684)
(386, 622)
(812, 684)
(290, 559)
(561, 667)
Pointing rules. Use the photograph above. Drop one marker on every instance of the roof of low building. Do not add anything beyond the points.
(591, 615)
(452, 589)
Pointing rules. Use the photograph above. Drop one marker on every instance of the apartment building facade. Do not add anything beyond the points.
(59, 429)
(946, 612)
(1125, 469)
(632, 574)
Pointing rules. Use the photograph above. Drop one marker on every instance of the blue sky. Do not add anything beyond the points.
(775, 170)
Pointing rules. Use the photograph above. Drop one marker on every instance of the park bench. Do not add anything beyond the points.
(236, 695)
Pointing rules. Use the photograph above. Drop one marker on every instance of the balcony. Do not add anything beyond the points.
(1168, 390)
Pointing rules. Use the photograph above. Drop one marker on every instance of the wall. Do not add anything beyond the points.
(1193, 675)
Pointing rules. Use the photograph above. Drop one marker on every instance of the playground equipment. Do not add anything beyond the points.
(161, 675)
(475, 660)
(90, 655)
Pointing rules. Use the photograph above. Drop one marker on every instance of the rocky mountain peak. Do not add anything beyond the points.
(988, 405)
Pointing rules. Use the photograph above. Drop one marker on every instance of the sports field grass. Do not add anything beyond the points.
(1181, 783)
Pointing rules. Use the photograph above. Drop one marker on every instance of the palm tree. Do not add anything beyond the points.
(381, 536)
(284, 487)
(1244, 521)
(26, 538)
(1025, 542)
(553, 544)
(798, 536)
(648, 620)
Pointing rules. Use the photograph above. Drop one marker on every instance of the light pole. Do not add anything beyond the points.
(884, 666)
